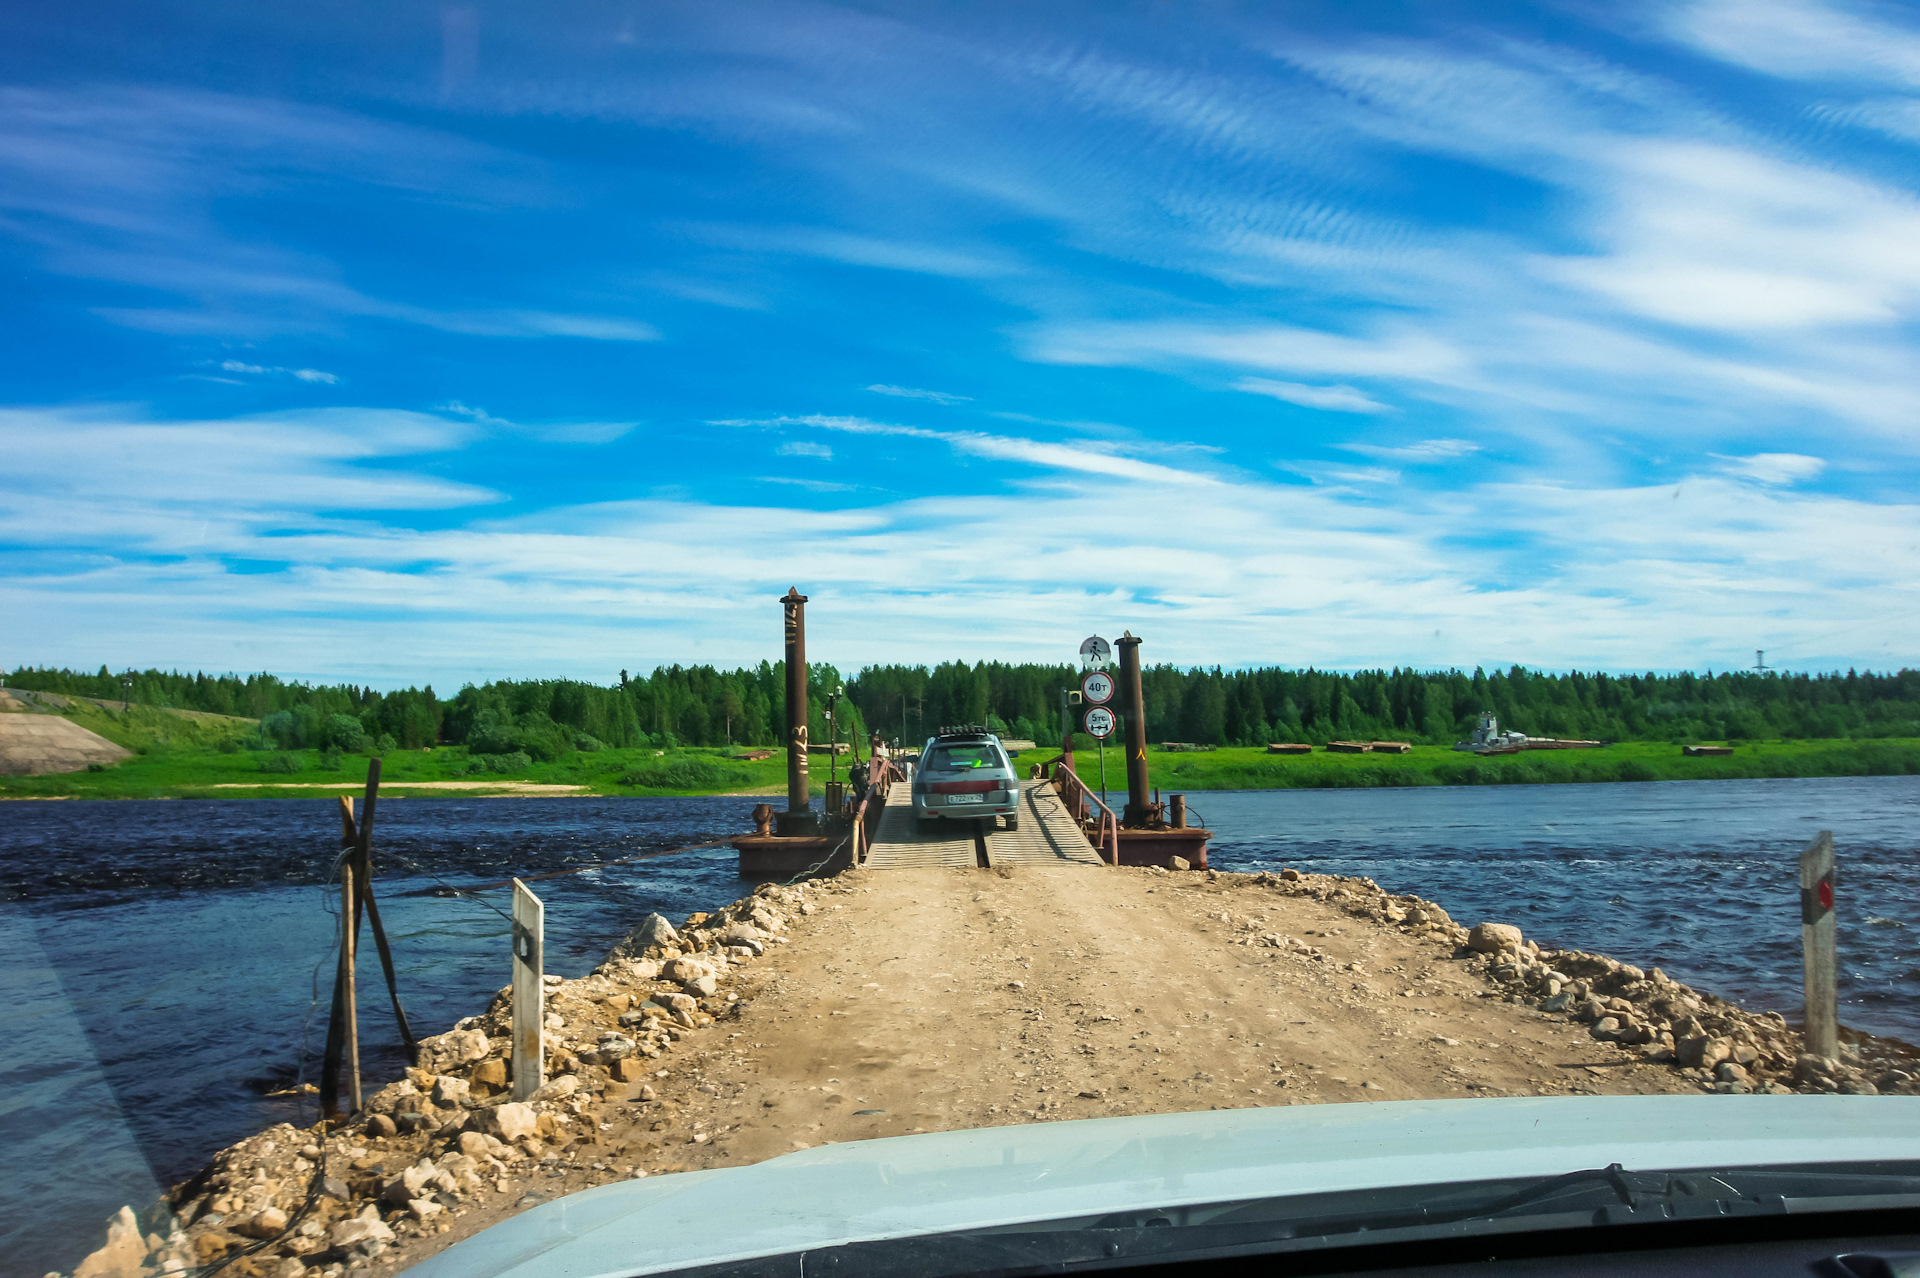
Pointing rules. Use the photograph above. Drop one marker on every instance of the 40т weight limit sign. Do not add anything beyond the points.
(1097, 687)
(1100, 722)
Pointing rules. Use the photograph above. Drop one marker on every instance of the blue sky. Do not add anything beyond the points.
(400, 342)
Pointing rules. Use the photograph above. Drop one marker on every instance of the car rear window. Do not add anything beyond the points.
(951, 757)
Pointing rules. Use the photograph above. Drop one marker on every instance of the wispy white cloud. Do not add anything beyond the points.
(170, 482)
(908, 392)
(1623, 576)
(1425, 451)
(312, 375)
(805, 448)
(853, 248)
(811, 485)
(550, 432)
(1087, 458)
(1339, 399)
(120, 185)
(1775, 468)
(1803, 39)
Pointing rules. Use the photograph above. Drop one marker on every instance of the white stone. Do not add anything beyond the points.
(1492, 938)
(443, 1052)
(357, 1230)
(124, 1253)
(559, 1089)
(449, 1092)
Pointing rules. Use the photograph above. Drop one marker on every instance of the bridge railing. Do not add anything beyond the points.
(1086, 808)
(880, 778)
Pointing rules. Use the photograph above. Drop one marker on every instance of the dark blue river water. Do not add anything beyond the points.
(163, 957)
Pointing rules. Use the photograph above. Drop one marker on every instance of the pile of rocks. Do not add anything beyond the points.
(289, 1202)
(1721, 1047)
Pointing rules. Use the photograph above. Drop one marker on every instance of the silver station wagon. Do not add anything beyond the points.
(965, 775)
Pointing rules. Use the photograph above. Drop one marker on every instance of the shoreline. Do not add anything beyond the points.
(554, 790)
(652, 1055)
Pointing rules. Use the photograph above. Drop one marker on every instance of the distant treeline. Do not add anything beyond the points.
(699, 705)
(543, 718)
(1251, 707)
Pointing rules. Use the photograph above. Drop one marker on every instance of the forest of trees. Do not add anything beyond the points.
(702, 706)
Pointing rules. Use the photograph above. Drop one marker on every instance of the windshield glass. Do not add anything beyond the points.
(952, 757)
(599, 590)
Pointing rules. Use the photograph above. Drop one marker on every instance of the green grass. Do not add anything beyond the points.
(1251, 768)
(186, 773)
(179, 755)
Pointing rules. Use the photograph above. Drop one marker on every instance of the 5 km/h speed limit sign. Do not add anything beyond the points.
(1100, 723)
(1097, 687)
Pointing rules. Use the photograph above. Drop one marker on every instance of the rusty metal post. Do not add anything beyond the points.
(1138, 807)
(1177, 811)
(798, 818)
(1066, 720)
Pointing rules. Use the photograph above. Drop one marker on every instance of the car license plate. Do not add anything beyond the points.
(966, 798)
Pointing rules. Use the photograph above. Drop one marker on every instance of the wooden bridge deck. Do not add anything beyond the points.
(1047, 836)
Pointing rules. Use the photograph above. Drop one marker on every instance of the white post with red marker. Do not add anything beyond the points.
(1817, 927)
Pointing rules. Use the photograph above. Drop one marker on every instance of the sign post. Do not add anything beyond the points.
(529, 993)
(1100, 724)
(1097, 687)
(1817, 943)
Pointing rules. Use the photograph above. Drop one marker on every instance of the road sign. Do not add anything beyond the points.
(1100, 722)
(1095, 651)
(1097, 687)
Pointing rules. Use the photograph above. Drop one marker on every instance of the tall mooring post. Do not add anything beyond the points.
(798, 819)
(1139, 810)
(1817, 926)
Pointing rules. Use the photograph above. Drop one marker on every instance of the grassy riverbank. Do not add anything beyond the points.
(184, 754)
(1251, 768)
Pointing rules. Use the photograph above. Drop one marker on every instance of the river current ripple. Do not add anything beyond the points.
(165, 957)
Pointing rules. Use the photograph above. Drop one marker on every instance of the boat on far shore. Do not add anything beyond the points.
(1488, 739)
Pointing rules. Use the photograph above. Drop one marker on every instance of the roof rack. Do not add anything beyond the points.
(964, 730)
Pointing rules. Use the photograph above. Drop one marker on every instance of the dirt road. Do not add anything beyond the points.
(925, 1000)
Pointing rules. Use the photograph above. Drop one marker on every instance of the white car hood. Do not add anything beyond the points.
(904, 1186)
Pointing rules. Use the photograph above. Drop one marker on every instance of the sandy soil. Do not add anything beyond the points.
(37, 744)
(926, 1000)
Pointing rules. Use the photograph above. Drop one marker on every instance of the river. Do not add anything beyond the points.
(167, 958)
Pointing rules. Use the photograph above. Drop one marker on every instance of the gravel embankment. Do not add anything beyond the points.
(880, 1004)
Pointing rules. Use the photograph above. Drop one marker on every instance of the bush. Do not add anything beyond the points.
(587, 742)
(282, 763)
(510, 761)
(1636, 770)
(681, 774)
(344, 733)
(331, 759)
(386, 744)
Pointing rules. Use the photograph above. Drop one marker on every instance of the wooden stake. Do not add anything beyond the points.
(1817, 928)
(363, 843)
(350, 1019)
(336, 1020)
(529, 992)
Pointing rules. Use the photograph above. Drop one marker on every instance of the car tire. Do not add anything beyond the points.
(927, 826)
(1013, 820)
